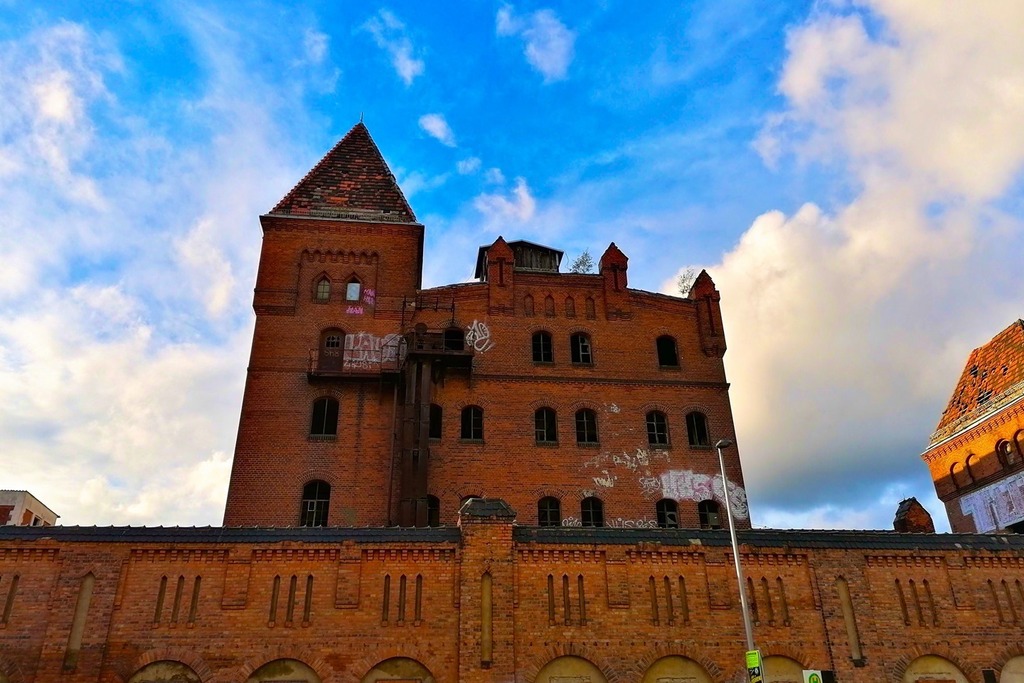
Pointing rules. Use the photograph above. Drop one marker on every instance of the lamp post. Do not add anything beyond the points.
(725, 443)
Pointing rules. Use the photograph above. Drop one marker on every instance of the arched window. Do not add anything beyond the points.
(580, 351)
(697, 429)
(473, 423)
(657, 428)
(353, 290)
(542, 349)
(968, 469)
(1005, 453)
(316, 499)
(549, 511)
(668, 357)
(323, 289)
(435, 421)
(952, 476)
(325, 417)
(586, 426)
(545, 427)
(708, 513)
(528, 305)
(592, 512)
(570, 307)
(433, 511)
(668, 513)
(331, 355)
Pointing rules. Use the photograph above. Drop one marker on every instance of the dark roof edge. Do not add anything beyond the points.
(770, 538)
(130, 534)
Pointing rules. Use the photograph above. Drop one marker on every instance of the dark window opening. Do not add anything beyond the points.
(586, 426)
(657, 428)
(433, 511)
(435, 421)
(707, 512)
(323, 290)
(542, 349)
(473, 423)
(325, 417)
(316, 499)
(454, 339)
(697, 429)
(579, 344)
(549, 512)
(592, 512)
(668, 514)
(545, 426)
(668, 357)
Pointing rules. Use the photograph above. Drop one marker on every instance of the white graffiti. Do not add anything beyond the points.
(689, 485)
(479, 337)
(634, 462)
(618, 523)
(367, 350)
(649, 486)
(997, 505)
(614, 408)
(607, 481)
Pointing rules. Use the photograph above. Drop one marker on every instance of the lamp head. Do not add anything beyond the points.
(723, 443)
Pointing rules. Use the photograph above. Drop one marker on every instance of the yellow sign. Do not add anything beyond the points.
(755, 674)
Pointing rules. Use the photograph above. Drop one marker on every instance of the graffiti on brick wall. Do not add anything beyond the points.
(605, 480)
(617, 523)
(369, 296)
(365, 350)
(479, 337)
(354, 310)
(690, 485)
(997, 505)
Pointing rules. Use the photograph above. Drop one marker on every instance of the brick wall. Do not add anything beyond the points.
(910, 596)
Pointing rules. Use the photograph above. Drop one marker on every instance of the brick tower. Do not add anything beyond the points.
(372, 401)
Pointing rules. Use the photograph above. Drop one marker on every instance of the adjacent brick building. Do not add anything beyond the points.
(512, 479)
(975, 453)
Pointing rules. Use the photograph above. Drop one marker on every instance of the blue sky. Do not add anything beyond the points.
(850, 174)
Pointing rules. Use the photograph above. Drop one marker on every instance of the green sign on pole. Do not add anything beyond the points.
(755, 670)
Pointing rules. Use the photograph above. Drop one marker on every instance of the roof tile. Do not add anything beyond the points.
(352, 181)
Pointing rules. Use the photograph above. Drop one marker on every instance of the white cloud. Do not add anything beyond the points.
(315, 44)
(548, 44)
(389, 34)
(847, 326)
(468, 165)
(437, 127)
(518, 206)
(414, 182)
(495, 176)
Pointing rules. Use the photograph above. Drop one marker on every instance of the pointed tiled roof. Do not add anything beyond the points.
(994, 374)
(351, 181)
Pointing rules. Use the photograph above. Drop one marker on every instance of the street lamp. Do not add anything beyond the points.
(725, 443)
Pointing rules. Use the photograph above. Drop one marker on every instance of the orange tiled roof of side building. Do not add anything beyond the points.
(991, 371)
(352, 181)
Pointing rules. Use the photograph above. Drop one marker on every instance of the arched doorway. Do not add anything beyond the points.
(676, 668)
(291, 670)
(575, 669)
(1013, 671)
(399, 669)
(779, 669)
(933, 669)
(166, 671)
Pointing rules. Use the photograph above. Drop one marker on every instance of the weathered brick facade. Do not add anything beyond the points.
(431, 461)
(974, 456)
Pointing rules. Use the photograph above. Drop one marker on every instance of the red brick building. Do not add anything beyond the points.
(507, 480)
(975, 453)
(571, 396)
